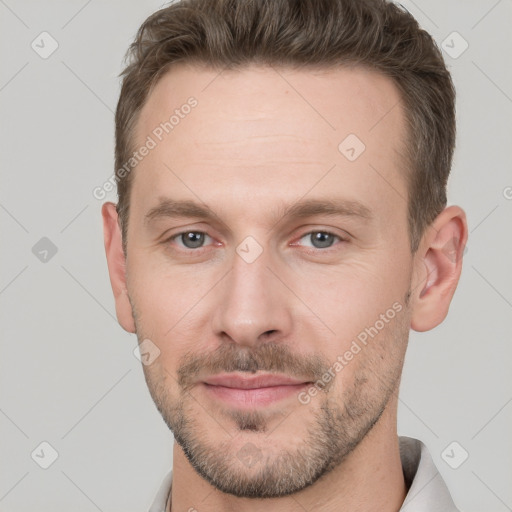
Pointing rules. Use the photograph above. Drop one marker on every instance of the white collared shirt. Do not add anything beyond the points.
(427, 490)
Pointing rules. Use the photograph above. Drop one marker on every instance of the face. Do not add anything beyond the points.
(269, 267)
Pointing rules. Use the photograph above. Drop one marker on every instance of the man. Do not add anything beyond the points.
(281, 226)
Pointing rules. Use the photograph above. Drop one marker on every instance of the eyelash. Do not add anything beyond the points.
(310, 250)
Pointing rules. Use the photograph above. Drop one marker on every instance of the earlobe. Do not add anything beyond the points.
(117, 266)
(440, 264)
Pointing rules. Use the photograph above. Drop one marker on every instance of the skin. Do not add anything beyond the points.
(258, 138)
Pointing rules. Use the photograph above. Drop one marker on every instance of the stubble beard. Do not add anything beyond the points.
(334, 429)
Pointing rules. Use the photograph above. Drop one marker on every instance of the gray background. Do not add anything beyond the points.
(67, 369)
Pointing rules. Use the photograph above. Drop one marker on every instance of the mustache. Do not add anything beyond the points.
(268, 357)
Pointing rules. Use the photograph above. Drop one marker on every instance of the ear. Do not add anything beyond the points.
(438, 264)
(117, 266)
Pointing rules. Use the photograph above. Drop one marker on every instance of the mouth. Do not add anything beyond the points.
(244, 391)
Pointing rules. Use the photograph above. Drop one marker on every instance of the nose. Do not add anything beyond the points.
(253, 305)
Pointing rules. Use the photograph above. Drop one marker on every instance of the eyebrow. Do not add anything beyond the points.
(173, 208)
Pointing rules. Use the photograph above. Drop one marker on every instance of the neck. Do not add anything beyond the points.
(369, 479)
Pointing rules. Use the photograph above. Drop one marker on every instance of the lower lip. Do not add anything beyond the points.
(257, 397)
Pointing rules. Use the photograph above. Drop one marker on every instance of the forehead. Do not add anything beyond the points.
(264, 130)
(330, 100)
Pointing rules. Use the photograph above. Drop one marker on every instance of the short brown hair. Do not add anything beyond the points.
(301, 33)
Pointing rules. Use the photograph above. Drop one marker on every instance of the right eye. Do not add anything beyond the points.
(189, 240)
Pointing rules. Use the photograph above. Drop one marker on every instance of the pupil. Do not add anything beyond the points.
(322, 239)
(193, 240)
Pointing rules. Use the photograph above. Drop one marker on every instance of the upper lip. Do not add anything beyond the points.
(233, 380)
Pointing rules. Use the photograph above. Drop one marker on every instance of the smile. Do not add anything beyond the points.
(252, 391)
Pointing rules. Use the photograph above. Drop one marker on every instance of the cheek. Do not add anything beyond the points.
(367, 364)
(160, 304)
(363, 307)
(164, 293)
(352, 296)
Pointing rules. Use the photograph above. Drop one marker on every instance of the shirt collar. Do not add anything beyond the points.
(427, 491)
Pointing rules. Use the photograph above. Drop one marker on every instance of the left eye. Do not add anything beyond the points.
(321, 239)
